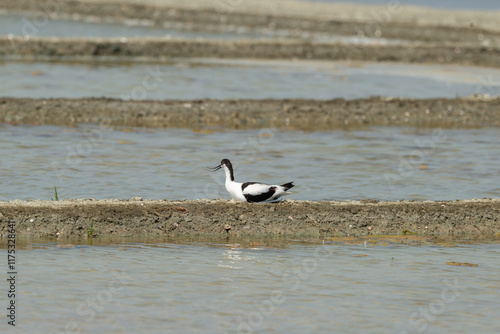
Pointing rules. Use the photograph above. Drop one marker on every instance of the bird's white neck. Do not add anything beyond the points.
(229, 175)
(234, 188)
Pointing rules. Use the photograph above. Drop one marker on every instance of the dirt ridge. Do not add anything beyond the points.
(160, 218)
(293, 114)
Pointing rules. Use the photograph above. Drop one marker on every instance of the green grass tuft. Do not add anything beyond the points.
(55, 195)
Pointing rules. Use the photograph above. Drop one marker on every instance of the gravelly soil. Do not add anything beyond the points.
(157, 218)
(309, 115)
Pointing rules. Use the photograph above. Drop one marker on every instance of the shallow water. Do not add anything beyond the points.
(210, 288)
(379, 163)
(32, 25)
(232, 79)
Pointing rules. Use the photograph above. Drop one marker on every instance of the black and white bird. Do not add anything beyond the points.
(251, 191)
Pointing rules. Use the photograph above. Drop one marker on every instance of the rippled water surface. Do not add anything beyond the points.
(208, 288)
(229, 79)
(379, 163)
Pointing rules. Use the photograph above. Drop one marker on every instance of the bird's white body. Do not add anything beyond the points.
(252, 191)
(234, 189)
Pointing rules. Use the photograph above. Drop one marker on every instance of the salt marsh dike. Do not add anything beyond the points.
(70, 219)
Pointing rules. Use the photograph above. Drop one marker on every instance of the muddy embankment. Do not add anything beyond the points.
(477, 219)
(308, 115)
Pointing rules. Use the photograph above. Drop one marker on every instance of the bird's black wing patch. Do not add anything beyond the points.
(260, 197)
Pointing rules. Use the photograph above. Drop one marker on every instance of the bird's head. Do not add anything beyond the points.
(224, 162)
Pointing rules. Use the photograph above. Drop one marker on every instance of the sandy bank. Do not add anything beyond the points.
(126, 218)
(309, 115)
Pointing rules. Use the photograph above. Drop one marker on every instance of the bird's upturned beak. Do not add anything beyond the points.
(214, 169)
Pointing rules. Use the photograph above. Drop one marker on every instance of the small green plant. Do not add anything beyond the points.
(90, 232)
(56, 198)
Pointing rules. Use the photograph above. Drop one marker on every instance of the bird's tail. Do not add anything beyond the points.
(288, 185)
